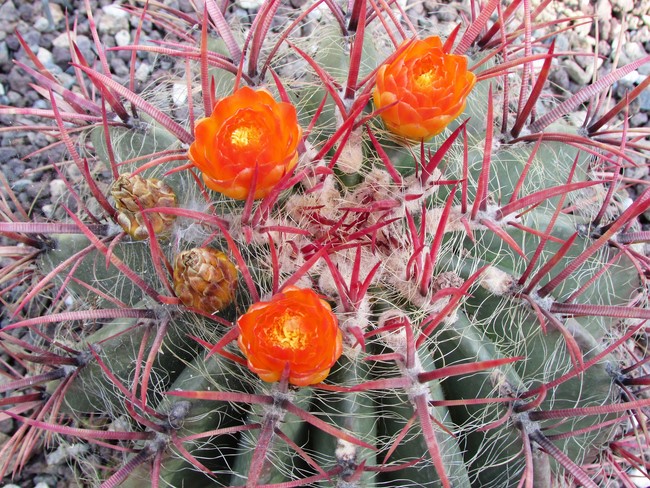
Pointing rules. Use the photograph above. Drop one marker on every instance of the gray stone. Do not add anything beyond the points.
(107, 41)
(603, 9)
(7, 153)
(8, 12)
(48, 479)
(56, 11)
(562, 43)
(42, 24)
(576, 73)
(631, 51)
(32, 38)
(14, 169)
(41, 104)
(16, 79)
(26, 12)
(62, 40)
(622, 6)
(123, 38)
(4, 53)
(12, 43)
(119, 67)
(7, 426)
(142, 72)
(644, 69)
(179, 94)
(587, 62)
(15, 99)
(185, 6)
(61, 49)
(45, 57)
(604, 48)
(560, 78)
(58, 189)
(583, 28)
(38, 189)
(639, 120)
(112, 20)
(641, 35)
(61, 55)
(644, 100)
(445, 13)
(249, 4)
(21, 185)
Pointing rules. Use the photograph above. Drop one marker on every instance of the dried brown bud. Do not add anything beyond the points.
(204, 278)
(133, 193)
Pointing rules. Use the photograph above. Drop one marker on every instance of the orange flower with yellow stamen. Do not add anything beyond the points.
(296, 328)
(427, 86)
(248, 132)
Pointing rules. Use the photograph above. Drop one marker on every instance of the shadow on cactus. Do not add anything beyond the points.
(326, 253)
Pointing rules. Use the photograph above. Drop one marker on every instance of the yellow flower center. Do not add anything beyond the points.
(245, 136)
(425, 71)
(287, 333)
(424, 79)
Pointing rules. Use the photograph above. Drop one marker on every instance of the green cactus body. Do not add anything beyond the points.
(456, 354)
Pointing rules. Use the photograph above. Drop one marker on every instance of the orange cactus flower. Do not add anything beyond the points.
(248, 131)
(429, 85)
(295, 328)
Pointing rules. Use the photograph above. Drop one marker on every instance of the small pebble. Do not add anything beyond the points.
(21, 185)
(249, 4)
(42, 24)
(179, 94)
(113, 19)
(142, 73)
(44, 56)
(123, 38)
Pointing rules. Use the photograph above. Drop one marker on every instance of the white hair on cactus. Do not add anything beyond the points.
(345, 452)
(414, 188)
(496, 280)
(351, 157)
(454, 222)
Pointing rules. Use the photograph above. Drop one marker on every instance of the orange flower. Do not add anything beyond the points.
(429, 85)
(246, 130)
(295, 328)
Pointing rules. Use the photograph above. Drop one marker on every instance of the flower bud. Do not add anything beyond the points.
(205, 278)
(132, 193)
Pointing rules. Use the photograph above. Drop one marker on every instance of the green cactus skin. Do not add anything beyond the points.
(393, 411)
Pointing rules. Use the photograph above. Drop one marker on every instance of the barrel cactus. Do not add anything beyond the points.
(339, 250)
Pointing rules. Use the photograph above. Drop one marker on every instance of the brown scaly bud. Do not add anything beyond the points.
(133, 193)
(204, 278)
